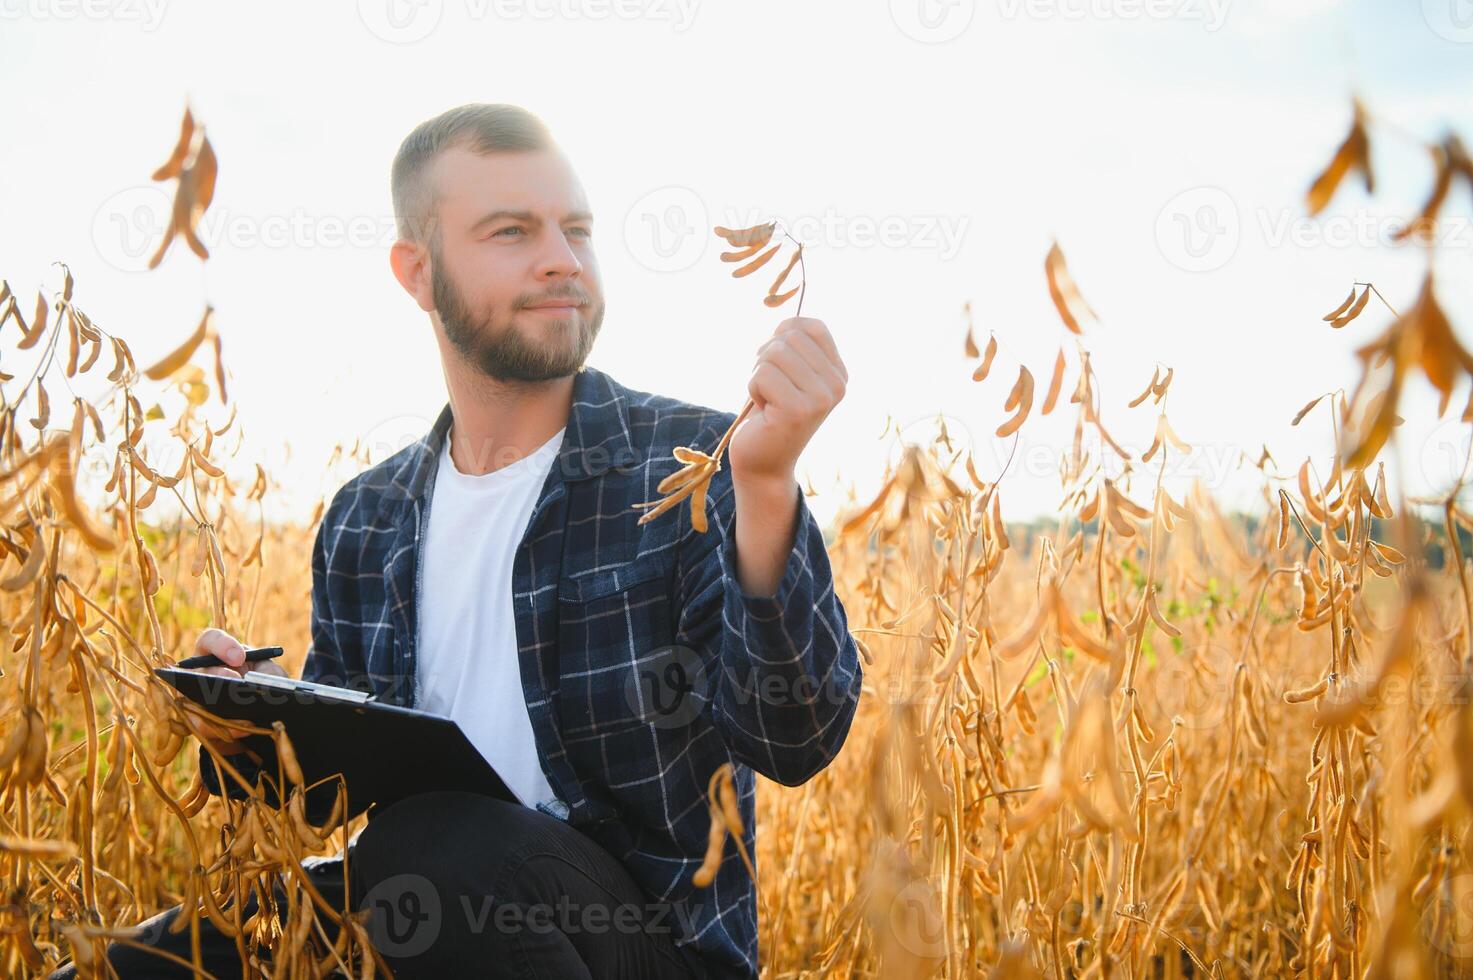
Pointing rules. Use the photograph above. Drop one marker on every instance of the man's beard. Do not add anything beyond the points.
(498, 349)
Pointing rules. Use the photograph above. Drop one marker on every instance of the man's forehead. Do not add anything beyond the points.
(540, 181)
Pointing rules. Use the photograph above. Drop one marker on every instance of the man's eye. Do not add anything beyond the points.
(506, 231)
(585, 232)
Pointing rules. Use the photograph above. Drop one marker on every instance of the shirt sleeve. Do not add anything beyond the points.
(785, 679)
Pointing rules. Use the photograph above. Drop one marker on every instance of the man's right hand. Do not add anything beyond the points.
(224, 739)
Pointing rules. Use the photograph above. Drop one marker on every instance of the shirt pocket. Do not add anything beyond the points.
(609, 622)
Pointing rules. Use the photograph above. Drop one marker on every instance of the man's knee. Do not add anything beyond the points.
(445, 836)
(426, 866)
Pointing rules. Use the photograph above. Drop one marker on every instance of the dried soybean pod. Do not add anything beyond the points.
(757, 235)
(1023, 708)
(38, 323)
(783, 275)
(741, 254)
(1282, 538)
(150, 570)
(213, 911)
(32, 567)
(368, 967)
(756, 263)
(197, 565)
(707, 871)
(1337, 311)
(15, 742)
(245, 836)
(1142, 727)
(728, 796)
(1020, 402)
(204, 463)
(177, 357)
(1158, 618)
(287, 755)
(84, 953)
(1056, 382)
(297, 811)
(987, 356)
(32, 766)
(1309, 598)
(173, 166)
(188, 909)
(115, 751)
(1307, 693)
(194, 798)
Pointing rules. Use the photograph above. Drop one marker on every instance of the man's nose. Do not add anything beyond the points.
(557, 259)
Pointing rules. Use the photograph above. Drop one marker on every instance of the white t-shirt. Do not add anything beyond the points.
(467, 667)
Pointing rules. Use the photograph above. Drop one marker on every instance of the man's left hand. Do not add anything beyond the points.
(795, 384)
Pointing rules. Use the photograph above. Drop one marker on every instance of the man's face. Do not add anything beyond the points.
(512, 266)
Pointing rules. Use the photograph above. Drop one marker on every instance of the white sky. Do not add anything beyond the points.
(972, 131)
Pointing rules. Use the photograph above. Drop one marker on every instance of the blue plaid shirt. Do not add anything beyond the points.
(644, 665)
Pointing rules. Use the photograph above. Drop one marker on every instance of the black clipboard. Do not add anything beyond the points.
(384, 751)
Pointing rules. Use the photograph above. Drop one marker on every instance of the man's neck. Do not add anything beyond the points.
(497, 423)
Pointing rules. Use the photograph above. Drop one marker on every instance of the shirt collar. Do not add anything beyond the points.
(596, 440)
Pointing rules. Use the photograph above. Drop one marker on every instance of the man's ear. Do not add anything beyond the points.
(411, 264)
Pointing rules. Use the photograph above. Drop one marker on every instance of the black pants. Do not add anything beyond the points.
(465, 885)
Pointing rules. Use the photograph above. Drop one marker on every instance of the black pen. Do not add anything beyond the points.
(210, 660)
